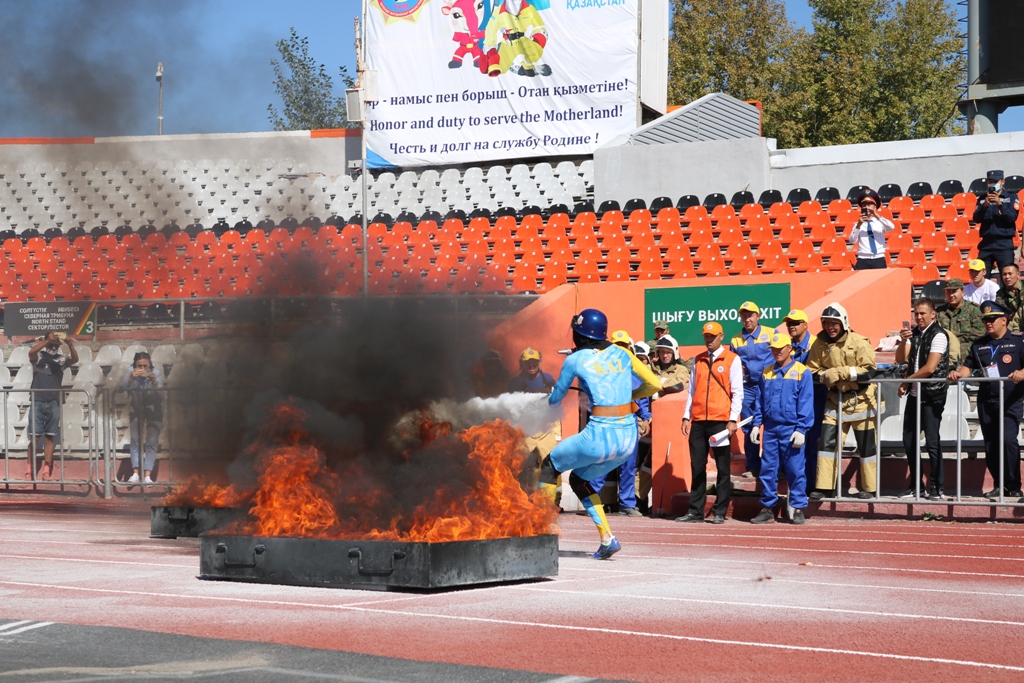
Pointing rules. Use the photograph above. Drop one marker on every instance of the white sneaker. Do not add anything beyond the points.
(147, 480)
(134, 479)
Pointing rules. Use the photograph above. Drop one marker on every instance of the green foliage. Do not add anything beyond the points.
(306, 90)
(871, 70)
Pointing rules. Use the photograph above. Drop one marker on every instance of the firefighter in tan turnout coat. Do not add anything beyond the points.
(844, 361)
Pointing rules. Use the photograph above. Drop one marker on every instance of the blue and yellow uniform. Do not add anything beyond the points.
(784, 404)
(605, 373)
(752, 348)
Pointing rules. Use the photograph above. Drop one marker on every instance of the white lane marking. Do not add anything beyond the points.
(774, 579)
(15, 624)
(821, 540)
(130, 544)
(570, 679)
(564, 627)
(78, 559)
(765, 605)
(15, 632)
(824, 550)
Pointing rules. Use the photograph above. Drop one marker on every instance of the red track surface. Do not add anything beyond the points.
(833, 600)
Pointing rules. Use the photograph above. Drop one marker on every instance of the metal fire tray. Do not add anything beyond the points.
(387, 564)
(170, 521)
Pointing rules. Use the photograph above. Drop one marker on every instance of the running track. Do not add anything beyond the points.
(833, 600)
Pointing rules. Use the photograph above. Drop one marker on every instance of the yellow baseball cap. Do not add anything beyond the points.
(530, 354)
(797, 316)
(750, 306)
(780, 341)
(976, 264)
(621, 337)
(711, 328)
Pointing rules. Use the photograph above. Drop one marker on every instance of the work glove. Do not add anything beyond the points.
(797, 440)
(831, 376)
(755, 435)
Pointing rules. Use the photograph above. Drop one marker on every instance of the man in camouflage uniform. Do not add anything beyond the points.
(962, 318)
(844, 361)
(1011, 294)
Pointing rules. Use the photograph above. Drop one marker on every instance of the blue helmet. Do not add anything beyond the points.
(591, 323)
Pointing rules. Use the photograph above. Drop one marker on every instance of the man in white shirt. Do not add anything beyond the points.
(980, 288)
(713, 405)
(926, 351)
(869, 232)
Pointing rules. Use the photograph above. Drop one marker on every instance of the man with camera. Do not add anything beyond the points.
(869, 232)
(48, 365)
(996, 211)
(145, 405)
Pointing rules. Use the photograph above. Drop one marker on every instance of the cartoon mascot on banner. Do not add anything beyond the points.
(516, 37)
(469, 18)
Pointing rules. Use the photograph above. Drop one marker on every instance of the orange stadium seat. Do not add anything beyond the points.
(773, 263)
(738, 250)
(923, 273)
(552, 280)
(669, 214)
(965, 202)
(780, 209)
(933, 240)
(808, 262)
(807, 209)
(840, 260)
(695, 213)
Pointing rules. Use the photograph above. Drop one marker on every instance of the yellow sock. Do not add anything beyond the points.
(549, 490)
(596, 511)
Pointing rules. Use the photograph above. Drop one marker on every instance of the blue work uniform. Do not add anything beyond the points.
(627, 470)
(784, 403)
(755, 356)
(1000, 357)
(998, 226)
(800, 350)
(541, 384)
(606, 377)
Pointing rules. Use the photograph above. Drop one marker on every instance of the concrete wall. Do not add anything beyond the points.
(648, 171)
(624, 172)
(326, 155)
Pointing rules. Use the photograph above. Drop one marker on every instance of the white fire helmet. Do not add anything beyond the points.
(835, 311)
(641, 349)
(667, 341)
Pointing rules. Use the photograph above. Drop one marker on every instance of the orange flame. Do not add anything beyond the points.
(194, 491)
(301, 495)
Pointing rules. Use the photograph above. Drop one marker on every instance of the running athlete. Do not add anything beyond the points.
(605, 373)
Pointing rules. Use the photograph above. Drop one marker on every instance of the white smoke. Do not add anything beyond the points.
(529, 412)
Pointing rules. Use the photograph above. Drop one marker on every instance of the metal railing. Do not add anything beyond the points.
(916, 484)
(19, 413)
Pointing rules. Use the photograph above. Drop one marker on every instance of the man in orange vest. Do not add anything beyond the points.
(714, 405)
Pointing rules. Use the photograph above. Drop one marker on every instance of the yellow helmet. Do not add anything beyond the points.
(529, 354)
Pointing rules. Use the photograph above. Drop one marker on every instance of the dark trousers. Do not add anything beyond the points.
(995, 259)
(871, 263)
(989, 418)
(931, 417)
(700, 432)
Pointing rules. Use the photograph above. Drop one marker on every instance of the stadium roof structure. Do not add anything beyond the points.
(716, 116)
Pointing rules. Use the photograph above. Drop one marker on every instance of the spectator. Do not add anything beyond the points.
(926, 351)
(1011, 294)
(145, 408)
(980, 288)
(660, 330)
(627, 470)
(961, 319)
(785, 406)
(666, 364)
(643, 459)
(490, 378)
(869, 232)
(796, 326)
(48, 364)
(998, 354)
(997, 214)
(751, 345)
(531, 378)
(844, 361)
(713, 405)
(610, 436)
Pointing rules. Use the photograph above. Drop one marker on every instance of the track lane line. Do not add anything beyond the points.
(565, 627)
(78, 559)
(30, 627)
(826, 540)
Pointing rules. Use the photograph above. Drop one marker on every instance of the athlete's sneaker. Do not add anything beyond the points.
(147, 480)
(766, 516)
(629, 512)
(134, 479)
(797, 517)
(605, 552)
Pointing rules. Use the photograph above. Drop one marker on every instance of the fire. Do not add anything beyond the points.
(304, 493)
(194, 491)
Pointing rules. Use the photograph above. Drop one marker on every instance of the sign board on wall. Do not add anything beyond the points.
(463, 81)
(687, 309)
(38, 318)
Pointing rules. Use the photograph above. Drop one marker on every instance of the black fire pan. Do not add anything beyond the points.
(171, 521)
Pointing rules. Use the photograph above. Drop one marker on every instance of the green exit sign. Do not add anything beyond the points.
(687, 308)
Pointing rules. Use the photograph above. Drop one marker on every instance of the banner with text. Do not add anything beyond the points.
(462, 81)
(39, 318)
(686, 309)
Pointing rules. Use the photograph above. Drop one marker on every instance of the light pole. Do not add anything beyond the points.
(160, 99)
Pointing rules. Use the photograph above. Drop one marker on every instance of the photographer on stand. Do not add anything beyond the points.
(869, 232)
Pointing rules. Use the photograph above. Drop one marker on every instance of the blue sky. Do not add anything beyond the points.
(216, 56)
